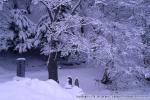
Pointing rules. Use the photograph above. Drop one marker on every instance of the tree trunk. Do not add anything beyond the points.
(15, 4)
(52, 66)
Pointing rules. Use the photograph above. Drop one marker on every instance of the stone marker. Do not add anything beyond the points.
(21, 67)
(69, 80)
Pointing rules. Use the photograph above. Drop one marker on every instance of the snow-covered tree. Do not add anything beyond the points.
(59, 34)
(5, 33)
(16, 29)
(23, 30)
(117, 45)
(126, 60)
(56, 33)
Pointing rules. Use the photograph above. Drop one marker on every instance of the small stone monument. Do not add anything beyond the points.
(68, 85)
(69, 80)
(21, 67)
(76, 82)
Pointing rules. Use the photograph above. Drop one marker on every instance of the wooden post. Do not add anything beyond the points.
(21, 67)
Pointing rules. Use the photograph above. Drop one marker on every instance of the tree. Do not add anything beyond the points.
(118, 45)
(23, 30)
(17, 30)
(55, 32)
(125, 54)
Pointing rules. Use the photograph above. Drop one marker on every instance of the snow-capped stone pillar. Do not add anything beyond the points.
(21, 67)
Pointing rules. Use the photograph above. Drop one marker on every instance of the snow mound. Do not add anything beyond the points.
(76, 91)
(34, 89)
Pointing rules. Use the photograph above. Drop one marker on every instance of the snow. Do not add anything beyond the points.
(20, 59)
(35, 89)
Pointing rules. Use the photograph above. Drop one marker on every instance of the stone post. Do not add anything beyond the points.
(21, 67)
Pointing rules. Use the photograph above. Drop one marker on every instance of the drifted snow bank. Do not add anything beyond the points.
(34, 89)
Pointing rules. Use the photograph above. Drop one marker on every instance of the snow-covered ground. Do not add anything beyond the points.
(34, 89)
(36, 74)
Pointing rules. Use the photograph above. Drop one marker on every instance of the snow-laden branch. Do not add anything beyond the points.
(49, 11)
(75, 7)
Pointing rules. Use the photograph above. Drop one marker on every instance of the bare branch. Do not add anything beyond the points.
(75, 7)
(49, 11)
(15, 4)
